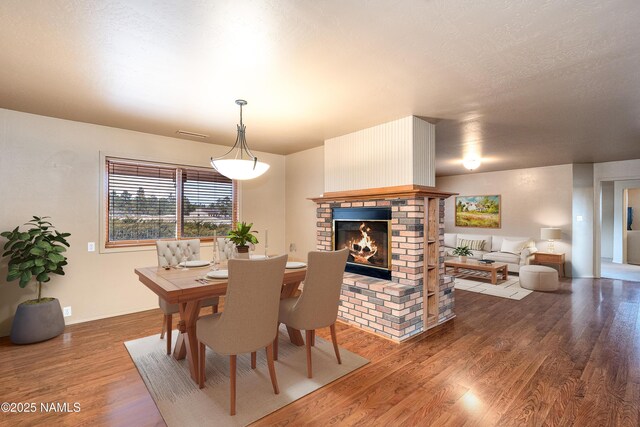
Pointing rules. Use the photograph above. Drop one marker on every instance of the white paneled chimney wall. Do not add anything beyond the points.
(401, 152)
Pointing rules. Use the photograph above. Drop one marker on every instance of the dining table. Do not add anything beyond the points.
(187, 287)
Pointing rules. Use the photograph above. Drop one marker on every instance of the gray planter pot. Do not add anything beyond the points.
(37, 322)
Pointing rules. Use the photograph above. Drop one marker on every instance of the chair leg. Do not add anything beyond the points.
(232, 378)
(169, 327)
(275, 343)
(253, 360)
(201, 364)
(307, 343)
(335, 343)
(164, 326)
(313, 338)
(272, 369)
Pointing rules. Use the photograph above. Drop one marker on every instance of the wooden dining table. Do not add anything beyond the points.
(182, 287)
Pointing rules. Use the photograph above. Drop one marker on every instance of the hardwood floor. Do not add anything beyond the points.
(565, 358)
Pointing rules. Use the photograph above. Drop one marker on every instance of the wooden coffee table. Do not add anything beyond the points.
(492, 270)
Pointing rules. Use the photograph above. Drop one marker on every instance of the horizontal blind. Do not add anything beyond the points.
(141, 201)
(207, 203)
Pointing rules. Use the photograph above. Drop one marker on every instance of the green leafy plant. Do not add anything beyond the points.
(241, 234)
(462, 251)
(36, 253)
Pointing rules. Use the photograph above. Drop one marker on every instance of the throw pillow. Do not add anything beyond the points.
(474, 245)
(513, 246)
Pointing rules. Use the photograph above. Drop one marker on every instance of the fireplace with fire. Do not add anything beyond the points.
(365, 232)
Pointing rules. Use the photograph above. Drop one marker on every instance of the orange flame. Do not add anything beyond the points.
(362, 249)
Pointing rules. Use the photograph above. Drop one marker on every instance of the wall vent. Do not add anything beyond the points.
(192, 134)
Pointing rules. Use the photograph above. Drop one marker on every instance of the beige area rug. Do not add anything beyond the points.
(509, 288)
(182, 404)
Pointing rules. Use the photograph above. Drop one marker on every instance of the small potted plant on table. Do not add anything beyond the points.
(35, 254)
(241, 236)
(462, 252)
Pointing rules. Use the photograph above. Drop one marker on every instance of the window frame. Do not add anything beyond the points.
(179, 170)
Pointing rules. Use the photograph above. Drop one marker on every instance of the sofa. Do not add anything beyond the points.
(512, 250)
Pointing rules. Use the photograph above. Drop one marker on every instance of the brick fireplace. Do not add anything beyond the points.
(394, 284)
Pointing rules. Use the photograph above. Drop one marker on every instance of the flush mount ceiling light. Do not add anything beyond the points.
(471, 163)
(239, 162)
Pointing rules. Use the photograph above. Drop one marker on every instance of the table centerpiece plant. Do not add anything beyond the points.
(35, 255)
(241, 236)
(462, 252)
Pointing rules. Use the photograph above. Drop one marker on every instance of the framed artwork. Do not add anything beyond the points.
(478, 211)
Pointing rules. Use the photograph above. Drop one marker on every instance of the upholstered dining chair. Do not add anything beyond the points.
(249, 320)
(317, 306)
(169, 253)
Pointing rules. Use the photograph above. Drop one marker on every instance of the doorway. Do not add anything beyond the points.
(620, 230)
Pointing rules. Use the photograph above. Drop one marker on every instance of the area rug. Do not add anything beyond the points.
(509, 288)
(182, 403)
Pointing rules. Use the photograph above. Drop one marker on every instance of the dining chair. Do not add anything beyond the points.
(317, 306)
(249, 319)
(225, 248)
(169, 253)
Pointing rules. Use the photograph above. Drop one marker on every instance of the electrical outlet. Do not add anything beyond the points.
(91, 246)
(579, 218)
(66, 311)
(292, 247)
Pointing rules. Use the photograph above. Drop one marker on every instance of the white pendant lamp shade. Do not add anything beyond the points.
(239, 162)
(239, 169)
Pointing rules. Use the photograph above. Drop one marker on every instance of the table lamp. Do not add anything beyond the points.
(550, 234)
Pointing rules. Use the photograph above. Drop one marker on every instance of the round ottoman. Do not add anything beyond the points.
(538, 278)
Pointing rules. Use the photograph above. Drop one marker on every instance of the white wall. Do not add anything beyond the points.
(400, 152)
(305, 179)
(583, 221)
(607, 220)
(531, 199)
(52, 167)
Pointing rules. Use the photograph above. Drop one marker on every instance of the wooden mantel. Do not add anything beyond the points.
(401, 191)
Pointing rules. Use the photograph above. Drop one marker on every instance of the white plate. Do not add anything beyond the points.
(295, 264)
(194, 263)
(218, 274)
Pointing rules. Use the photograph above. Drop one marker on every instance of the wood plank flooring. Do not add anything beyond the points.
(565, 358)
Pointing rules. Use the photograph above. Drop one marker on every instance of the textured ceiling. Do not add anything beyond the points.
(519, 83)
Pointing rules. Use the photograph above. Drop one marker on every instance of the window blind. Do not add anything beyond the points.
(142, 201)
(207, 203)
(150, 201)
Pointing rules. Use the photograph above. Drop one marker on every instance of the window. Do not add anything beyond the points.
(151, 201)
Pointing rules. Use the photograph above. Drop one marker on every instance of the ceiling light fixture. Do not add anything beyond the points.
(243, 164)
(471, 163)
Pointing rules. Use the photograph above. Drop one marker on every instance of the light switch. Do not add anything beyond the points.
(91, 246)
(579, 218)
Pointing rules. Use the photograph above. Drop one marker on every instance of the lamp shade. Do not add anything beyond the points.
(550, 233)
(239, 169)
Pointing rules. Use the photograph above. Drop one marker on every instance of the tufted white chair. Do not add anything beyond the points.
(225, 249)
(170, 253)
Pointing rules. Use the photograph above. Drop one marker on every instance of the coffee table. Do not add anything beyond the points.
(492, 270)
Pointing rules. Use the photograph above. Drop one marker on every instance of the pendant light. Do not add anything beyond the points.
(243, 164)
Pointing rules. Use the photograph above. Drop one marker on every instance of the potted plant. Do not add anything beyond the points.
(462, 252)
(34, 255)
(241, 236)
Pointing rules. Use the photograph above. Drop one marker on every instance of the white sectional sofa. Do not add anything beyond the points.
(516, 251)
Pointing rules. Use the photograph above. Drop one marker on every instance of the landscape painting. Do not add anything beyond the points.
(478, 211)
